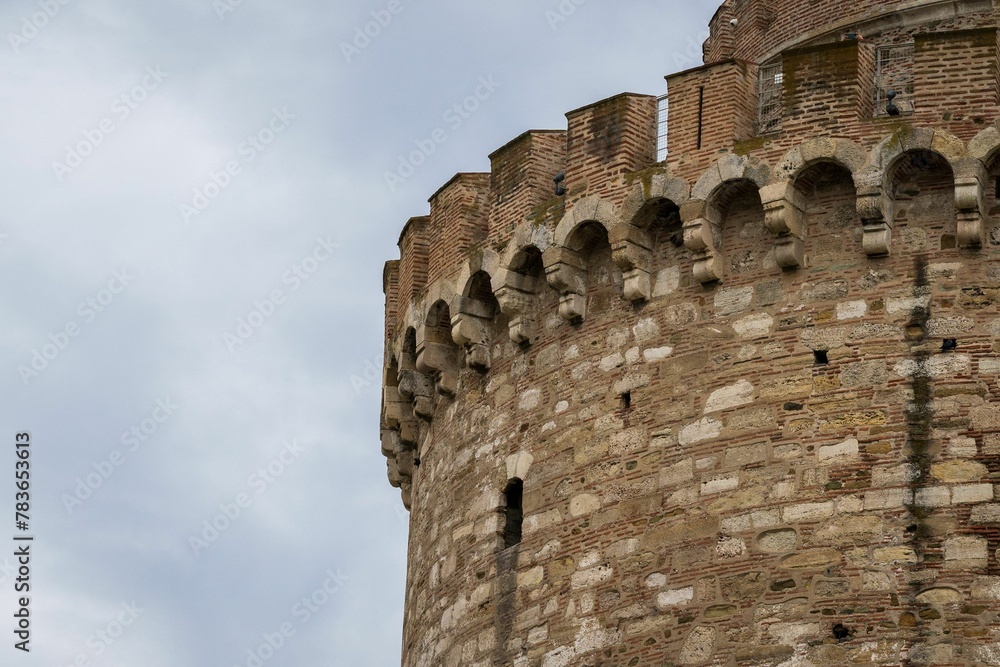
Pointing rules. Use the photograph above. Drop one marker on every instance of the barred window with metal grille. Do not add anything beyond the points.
(769, 90)
(894, 72)
(661, 128)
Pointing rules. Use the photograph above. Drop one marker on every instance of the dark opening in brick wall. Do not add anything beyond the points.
(513, 513)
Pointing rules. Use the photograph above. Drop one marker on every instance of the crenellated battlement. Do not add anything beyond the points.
(748, 393)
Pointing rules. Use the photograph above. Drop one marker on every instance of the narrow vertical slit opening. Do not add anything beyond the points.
(701, 112)
(513, 513)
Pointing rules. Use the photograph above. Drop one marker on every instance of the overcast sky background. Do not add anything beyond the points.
(300, 376)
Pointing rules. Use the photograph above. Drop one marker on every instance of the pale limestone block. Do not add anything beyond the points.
(852, 310)
(719, 485)
(753, 326)
(703, 429)
(548, 550)
(697, 649)
(888, 499)
(593, 636)
(538, 634)
(986, 588)
(939, 595)
(645, 329)
(732, 396)
(895, 555)
(850, 504)
(944, 269)
(808, 511)
(536, 522)
(864, 374)
(730, 547)
(561, 407)
(736, 524)
(843, 451)
(906, 304)
(560, 657)
(628, 442)
(632, 356)
(706, 463)
(623, 548)
(656, 580)
(531, 578)
(655, 354)
(986, 513)
(777, 541)
(612, 362)
(876, 582)
(989, 366)
(668, 280)
(933, 496)
(966, 547)
(938, 366)
(959, 471)
(518, 466)
(898, 475)
(592, 577)
(677, 597)
(962, 446)
(949, 326)
(618, 338)
(590, 559)
(678, 473)
(971, 493)
(584, 504)
(732, 300)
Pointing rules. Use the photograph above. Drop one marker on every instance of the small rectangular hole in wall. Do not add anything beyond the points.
(626, 400)
(821, 357)
(996, 187)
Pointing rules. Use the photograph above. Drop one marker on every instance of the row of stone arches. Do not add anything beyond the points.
(458, 320)
(493, 292)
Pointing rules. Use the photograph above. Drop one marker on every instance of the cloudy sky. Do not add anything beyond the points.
(194, 219)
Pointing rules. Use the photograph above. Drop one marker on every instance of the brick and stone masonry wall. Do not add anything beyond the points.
(753, 393)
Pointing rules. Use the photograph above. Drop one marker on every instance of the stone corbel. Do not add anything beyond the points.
(419, 389)
(437, 359)
(567, 274)
(970, 202)
(471, 327)
(784, 210)
(876, 212)
(630, 250)
(398, 415)
(701, 232)
(518, 307)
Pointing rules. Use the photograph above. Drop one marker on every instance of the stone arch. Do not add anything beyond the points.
(972, 177)
(518, 284)
(566, 260)
(437, 352)
(920, 184)
(703, 214)
(783, 201)
(474, 308)
(825, 216)
(413, 385)
(632, 237)
(876, 204)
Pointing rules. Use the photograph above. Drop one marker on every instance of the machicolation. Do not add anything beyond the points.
(740, 407)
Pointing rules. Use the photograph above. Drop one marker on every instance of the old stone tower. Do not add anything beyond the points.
(739, 407)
